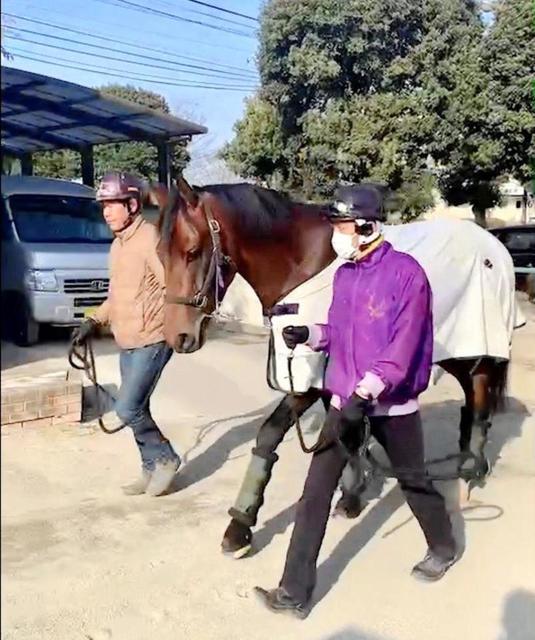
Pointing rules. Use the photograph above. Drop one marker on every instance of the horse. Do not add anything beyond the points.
(210, 234)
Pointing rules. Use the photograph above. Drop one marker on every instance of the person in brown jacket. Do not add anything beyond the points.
(134, 310)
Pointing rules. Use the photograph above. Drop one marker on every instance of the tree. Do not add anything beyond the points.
(353, 91)
(261, 150)
(508, 54)
(137, 157)
(383, 90)
(487, 129)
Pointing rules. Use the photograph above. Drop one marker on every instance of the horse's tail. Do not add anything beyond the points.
(498, 385)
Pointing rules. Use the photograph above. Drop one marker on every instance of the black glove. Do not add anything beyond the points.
(352, 426)
(293, 336)
(84, 331)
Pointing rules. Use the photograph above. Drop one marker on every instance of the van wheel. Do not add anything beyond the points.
(24, 329)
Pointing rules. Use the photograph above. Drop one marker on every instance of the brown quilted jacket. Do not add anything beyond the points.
(135, 303)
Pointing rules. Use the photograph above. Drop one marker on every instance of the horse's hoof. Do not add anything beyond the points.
(348, 507)
(237, 541)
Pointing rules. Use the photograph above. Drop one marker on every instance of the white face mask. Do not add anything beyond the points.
(345, 245)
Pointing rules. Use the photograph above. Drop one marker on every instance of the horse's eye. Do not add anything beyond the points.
(192, 255)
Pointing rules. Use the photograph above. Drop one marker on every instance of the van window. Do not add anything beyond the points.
(520, 240)
(6, 232)
(58, 219)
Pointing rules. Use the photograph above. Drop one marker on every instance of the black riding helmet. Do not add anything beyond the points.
(360, 201)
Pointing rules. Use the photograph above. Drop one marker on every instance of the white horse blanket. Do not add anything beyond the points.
(474, 304)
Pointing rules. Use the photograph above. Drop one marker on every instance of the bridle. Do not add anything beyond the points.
(214, 273)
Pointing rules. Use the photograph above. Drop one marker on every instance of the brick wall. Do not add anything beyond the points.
(54, 398)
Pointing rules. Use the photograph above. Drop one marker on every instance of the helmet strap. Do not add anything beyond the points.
(132, 215)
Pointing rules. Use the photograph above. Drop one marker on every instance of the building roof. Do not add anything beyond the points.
(30, 185)
(39, 113)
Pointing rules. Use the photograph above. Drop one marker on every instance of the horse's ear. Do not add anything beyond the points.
(186, 191)
(157, 195)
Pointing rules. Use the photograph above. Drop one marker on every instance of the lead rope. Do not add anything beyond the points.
(82, 358)
(321, 443)
(403, 473)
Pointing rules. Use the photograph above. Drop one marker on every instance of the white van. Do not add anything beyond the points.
(55, 247)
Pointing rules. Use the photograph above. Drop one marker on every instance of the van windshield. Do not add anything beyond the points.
(62, 219)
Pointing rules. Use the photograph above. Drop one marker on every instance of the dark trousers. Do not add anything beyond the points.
(402, 439)
(141, 369)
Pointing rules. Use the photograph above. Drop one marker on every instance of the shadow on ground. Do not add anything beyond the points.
(518, 619)
(441, 436)
(207, 462)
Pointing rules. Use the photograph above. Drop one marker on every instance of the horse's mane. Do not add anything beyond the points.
(257, 209)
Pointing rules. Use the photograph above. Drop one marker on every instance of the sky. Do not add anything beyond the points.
(155, 51)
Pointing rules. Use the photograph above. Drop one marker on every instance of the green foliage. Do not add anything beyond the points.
(137, 157)
(509, 55)
(262, 148)
(361, 90)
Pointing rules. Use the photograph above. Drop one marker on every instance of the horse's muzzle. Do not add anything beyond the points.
(187, 343)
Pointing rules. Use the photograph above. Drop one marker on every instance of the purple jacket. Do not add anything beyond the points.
(380, 328)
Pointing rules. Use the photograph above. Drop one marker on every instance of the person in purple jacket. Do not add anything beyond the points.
(379, 337)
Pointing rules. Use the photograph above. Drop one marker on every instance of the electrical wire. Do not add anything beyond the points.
(218, 8)
(202, 70)
(152, 80)
(139, 75)
(130, 44)
(144, 9)
(147, 32)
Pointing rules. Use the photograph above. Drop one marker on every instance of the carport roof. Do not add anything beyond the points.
(40, 112)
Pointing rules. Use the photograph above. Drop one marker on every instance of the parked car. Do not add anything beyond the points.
(55, 247)
(520, 242)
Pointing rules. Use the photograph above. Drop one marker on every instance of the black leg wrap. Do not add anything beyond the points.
(467, 420)
(475, 465)
(478, 440)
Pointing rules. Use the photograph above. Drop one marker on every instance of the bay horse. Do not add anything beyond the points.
(207, 236)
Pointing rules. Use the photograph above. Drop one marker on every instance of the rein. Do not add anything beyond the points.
(364, 453)
(82, 358)
(213, 275)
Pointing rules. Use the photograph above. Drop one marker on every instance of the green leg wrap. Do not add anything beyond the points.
(251, 495)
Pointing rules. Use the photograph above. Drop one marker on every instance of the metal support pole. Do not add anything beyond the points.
(164, 164)
(88, 166)
(26, 164)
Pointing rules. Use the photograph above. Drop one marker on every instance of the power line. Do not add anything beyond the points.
(174, 16)
(218, 8)
(115, 59)
(130, 44)
(197, 12)
(146, 31)
(129, 77)
(216, 17)
(200, 70)
(186, 81)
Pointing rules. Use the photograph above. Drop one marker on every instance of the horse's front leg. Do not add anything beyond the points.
(238, 535)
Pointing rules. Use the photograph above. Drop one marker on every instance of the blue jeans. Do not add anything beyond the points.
(140, 371)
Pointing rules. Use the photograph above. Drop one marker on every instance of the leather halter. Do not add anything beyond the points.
(214, 273)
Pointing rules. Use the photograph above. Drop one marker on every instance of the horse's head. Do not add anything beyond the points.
(191, 250)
